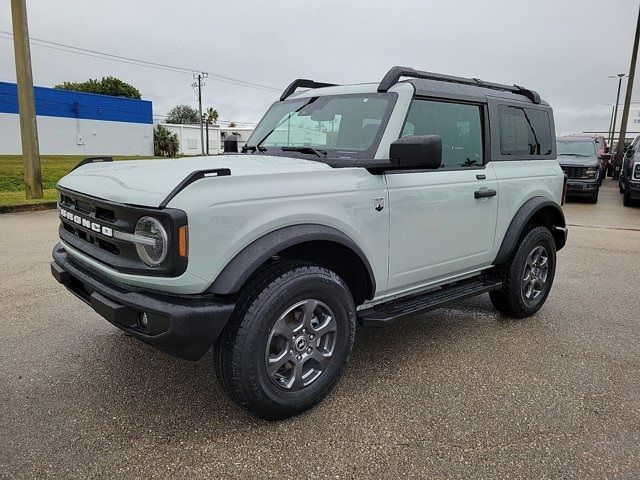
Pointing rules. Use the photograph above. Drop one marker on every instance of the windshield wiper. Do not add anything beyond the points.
(286, 117)
(315, 151)
(253, 148)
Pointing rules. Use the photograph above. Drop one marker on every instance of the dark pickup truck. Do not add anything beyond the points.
(581, 161)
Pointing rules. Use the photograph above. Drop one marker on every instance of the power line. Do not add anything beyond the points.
(238, 123)
(212, 102)
(156, 95)
(141, 63)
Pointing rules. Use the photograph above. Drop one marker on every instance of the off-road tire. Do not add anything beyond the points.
(510, 299)
(240, 353)
(626, 199)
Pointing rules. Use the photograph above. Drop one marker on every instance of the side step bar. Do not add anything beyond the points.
(387, 313)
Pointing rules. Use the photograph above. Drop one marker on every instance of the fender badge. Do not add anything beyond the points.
(378, 204)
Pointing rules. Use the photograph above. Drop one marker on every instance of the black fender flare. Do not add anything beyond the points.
(233, 276)
(522, 218)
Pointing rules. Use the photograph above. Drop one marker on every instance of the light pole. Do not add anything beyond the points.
(611, 125)
(620, 76)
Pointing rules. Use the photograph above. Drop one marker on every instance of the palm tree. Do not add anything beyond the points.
(211, 116)
(165, 143)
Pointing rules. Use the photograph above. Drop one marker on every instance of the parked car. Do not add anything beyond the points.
(605, 156)
(363, 203)
(629, 180)
(579, 159)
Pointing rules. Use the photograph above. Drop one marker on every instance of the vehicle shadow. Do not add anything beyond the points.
(152, 390)
(579, 199)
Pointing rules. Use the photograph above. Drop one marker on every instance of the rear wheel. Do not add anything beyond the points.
(288, 340)
(528, 275)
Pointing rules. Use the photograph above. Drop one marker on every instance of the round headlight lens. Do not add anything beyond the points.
(152, 255)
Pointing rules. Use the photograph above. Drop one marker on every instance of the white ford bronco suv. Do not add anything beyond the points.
(349, 204)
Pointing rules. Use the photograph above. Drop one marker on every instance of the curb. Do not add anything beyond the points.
(27, 207)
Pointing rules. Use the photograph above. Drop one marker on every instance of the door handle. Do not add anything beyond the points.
(484, 193)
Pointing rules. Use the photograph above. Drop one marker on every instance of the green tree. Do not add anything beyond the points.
(183, 114)
(106, 86)
(211, 116)
(165, 143)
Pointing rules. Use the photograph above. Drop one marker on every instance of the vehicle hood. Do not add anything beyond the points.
(577, 161)
(149, 182)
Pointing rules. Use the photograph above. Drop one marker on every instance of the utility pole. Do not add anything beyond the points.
(199, 84)
(615, 111)
(627, 102)
(26, 100)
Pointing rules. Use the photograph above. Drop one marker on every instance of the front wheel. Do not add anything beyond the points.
(626, 199)
(288, 340)
(528, 275)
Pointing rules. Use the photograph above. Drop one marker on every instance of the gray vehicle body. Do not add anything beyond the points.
(389, 233)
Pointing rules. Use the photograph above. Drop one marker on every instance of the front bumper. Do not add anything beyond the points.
(582, 187)
(185, 326)
(634, 189)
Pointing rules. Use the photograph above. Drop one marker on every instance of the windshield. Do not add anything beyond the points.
(584, 148)
(335, 126)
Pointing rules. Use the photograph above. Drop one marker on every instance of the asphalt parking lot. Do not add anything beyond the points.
(456, 393)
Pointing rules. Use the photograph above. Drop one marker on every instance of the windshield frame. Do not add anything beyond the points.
(333, 157)
(585, 140)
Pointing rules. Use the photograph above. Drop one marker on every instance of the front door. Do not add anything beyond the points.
(442, 221)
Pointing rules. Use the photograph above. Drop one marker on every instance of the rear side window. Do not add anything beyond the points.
(459, 126)
(524, 131)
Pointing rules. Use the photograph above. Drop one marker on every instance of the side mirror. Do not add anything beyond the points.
(630, 152)
(416, 152)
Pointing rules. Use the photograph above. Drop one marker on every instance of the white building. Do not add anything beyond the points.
(189, 137)
(76, 123)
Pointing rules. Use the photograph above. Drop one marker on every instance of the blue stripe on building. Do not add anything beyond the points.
(67, 104)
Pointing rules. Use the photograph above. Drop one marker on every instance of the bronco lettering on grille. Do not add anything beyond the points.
(96, 227)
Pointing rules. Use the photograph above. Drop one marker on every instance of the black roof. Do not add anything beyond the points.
(438, 84)
(469, 93)
(429, 83)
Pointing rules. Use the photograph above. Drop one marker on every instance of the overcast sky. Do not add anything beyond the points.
(564, 49)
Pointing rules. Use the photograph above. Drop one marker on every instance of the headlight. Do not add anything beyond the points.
(592, 172)
(636, 171)
(152, 254)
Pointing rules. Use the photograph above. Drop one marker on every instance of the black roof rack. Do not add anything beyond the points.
(303, 83)
(395, 73)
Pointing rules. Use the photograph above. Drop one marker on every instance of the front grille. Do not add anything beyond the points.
(575, 172)
(88, 212)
